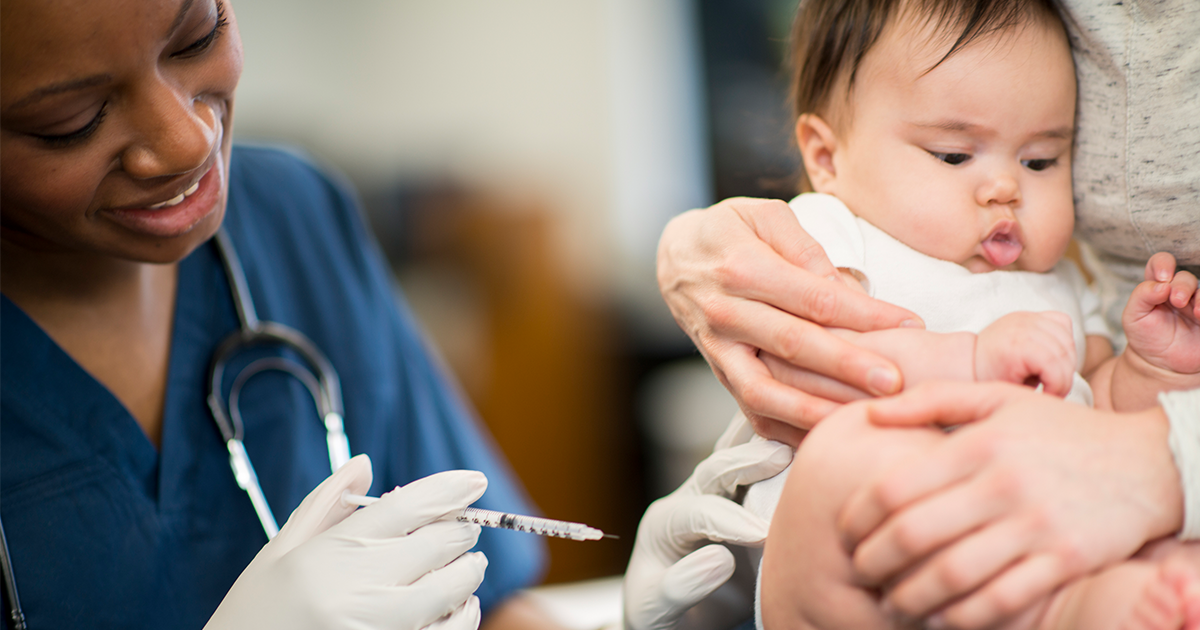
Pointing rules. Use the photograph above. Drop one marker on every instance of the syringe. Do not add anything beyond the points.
(502, 520)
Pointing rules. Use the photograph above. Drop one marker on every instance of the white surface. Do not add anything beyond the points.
(585, 605)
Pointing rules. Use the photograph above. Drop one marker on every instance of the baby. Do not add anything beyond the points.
(938, 136)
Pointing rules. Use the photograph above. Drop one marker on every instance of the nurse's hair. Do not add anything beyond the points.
(831, 37)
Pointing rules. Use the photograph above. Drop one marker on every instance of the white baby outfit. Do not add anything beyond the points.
(944, 294)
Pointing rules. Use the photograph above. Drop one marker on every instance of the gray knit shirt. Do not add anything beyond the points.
(1137, 166)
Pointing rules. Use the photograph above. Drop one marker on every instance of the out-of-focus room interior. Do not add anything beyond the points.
(517, 161)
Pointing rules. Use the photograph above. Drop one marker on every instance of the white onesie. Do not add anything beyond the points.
(944, 294)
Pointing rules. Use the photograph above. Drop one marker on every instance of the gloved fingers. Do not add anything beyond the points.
(403, 560)
(723, 471)
(323, 507)
(696, 576)
(673, 526)
(419, 503)
(440, 592)
(466, 617)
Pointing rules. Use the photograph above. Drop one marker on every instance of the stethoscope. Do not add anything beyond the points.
(318, 377)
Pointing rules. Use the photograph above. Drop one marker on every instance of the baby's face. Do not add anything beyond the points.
(970, 162)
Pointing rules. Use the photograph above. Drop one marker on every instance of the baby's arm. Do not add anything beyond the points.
(1162, 323)
(1017, 348)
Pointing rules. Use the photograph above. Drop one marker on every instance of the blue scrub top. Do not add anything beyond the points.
(105, 531)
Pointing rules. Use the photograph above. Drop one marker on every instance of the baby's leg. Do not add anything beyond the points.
(806, 576)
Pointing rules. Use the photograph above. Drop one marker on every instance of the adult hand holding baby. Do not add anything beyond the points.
(1005, 511)
(758, 281)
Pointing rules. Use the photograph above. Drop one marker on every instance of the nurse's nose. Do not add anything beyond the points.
(174, 134)
(1000, 187)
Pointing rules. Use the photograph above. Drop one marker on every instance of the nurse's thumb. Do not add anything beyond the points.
(323, 507)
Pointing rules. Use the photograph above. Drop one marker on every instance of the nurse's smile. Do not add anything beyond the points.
(178, 214)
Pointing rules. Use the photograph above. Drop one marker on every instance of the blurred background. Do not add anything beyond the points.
(517, 161)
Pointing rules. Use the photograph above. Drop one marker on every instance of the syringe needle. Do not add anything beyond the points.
(504, 520)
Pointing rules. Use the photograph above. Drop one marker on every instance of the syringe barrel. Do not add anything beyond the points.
(531, 524)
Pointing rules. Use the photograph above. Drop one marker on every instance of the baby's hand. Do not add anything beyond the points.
(1027, 348)
(1162, 318)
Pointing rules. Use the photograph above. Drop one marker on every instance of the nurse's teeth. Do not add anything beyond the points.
(178, 199)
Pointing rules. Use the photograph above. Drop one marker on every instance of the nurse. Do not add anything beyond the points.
(119, 506)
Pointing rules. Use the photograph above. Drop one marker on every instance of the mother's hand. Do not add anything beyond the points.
(743, 276)
(1005, 511)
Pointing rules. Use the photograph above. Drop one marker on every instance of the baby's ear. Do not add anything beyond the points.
(817, 143)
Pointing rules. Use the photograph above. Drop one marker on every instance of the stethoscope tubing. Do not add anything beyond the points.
(320, 379)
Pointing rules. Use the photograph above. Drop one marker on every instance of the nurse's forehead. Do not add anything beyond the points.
(52, 46)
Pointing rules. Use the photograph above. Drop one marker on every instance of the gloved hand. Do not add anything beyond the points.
(394, 564)
(672, 567)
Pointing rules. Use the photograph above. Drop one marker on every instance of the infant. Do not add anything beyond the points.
(938, 136)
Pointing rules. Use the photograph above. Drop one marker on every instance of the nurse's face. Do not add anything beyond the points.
(115, 124)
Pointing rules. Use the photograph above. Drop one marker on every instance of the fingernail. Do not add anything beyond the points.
(834, 277)
(912, 323)
(882, 381)
(1163, 275)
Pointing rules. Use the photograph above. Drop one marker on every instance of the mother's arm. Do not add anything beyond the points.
(743, 276)
(1005, 511)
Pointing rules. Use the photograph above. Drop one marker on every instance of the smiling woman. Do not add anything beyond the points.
(116, 170)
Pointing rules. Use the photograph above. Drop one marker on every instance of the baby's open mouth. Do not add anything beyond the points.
(1003, 246)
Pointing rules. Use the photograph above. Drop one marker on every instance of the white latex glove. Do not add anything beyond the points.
(394, 564)
(673, 568)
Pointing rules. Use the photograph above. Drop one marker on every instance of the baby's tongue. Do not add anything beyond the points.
(1001, 250)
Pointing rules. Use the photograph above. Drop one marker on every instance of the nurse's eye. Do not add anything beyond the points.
(1039, 165)
(74, 137)
(198, 47)
(953, 159)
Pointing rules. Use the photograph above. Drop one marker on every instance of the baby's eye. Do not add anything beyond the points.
(1039, 165)
(952, 159)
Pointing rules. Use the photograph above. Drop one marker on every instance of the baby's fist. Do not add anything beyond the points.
(1028, 348)
(1162, 318)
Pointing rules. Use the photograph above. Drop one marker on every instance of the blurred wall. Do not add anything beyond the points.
(545, 144)
(593, 105)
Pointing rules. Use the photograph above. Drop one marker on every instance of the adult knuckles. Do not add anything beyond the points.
(913, 540)
(793, 341)
(890, 494)
(822, 304)
(732, 273)
(1006, 601)
(755, 397)
(721, 312)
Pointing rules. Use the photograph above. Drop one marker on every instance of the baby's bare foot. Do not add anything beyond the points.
(1160, 604)
(1134, 595)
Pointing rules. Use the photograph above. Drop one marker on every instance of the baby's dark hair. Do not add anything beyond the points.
(831, 37)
